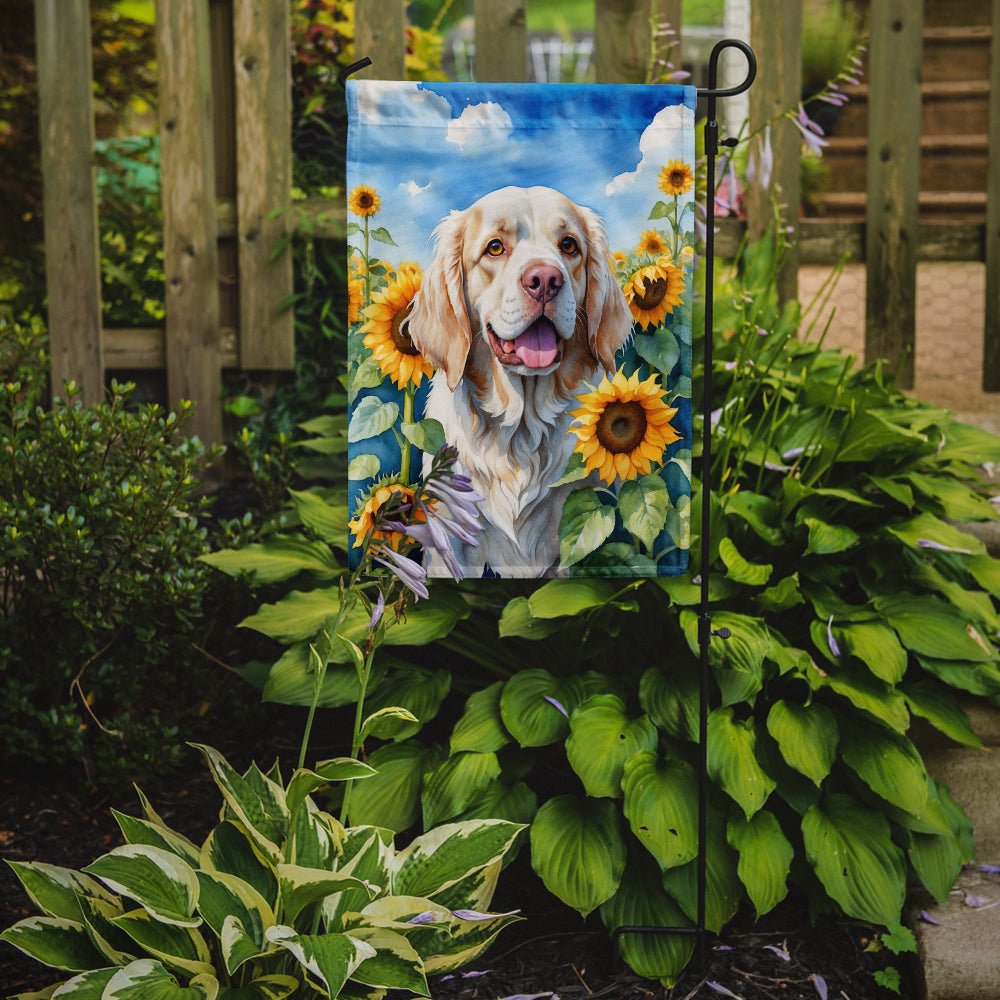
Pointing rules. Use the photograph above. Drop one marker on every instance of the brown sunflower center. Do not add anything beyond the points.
(400, 337)
(365, 199)
(678, 178)
(621, 426)
(652, 294)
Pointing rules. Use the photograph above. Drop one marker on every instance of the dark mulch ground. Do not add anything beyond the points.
(550, 952)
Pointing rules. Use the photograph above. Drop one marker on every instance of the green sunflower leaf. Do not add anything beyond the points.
(426, 434)
(371, 417)
(585, 524)
(643, 504)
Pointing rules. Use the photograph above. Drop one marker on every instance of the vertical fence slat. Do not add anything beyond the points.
(991, 332)
(776, 34)
(893, 183)
(261, 32)
(501, 41)
(190, 253)
(380, 34)
(72, 257)
(622, 40)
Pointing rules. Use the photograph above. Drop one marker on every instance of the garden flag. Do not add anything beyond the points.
(519, 269)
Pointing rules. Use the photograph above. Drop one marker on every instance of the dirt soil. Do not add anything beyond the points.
(552, 953)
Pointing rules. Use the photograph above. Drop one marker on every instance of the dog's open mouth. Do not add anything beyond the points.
(536, 347)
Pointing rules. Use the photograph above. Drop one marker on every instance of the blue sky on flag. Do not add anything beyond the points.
(428, 149)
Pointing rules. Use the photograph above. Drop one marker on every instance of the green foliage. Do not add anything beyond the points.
(101, 587)
(280, 899)
(854, 603)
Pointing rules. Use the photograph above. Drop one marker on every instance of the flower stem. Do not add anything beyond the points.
(359, 716)
(405, 447)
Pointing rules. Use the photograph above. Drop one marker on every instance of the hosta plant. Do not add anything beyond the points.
(855, 603)
(279, 900)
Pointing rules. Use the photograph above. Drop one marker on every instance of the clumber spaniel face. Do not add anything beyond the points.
(518, 306)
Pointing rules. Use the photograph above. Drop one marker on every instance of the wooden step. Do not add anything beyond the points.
(957, 206)
(956, 53)
(939, 13)
(947, 162)
(946, 105)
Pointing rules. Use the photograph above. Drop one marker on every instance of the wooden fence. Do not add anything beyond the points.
(226, 161)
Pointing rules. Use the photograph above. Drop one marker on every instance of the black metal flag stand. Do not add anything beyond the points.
(705, 631)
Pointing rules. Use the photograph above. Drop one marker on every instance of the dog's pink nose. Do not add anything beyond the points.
(542, 282)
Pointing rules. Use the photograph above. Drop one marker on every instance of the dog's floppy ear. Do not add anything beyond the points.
(439, 323)
(609, 322)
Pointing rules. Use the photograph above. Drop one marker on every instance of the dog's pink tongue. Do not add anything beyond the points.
(536, 347)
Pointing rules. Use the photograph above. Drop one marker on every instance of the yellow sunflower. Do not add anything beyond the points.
(355, 298)
(653, 291)
(676, 178)
(388, 341)
(624, 426)
(652, 243)
(364, 201)
(364, 521)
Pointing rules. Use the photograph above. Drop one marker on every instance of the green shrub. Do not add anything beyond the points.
(101, 584)
(279, 900)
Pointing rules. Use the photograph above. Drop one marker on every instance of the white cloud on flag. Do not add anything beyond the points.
(413, 188)
(660, 142)
(480, 126)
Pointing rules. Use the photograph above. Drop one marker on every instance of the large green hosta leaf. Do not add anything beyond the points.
(481, 728)
(641, 901)
(932, 628)
(876, 646)
(391, 798)
(940, 707)
(578, 851)
(765, 858)
(888, 763)
(560, 598)
(807, 736)
(732, 760)
(738, 661)
(661, 806)
(670, 698)
(535, 706)
(850, 848)
(279, 558)
(456, 784)
(602, 738)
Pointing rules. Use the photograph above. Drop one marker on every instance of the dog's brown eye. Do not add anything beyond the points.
(495, 248)
(569, 246)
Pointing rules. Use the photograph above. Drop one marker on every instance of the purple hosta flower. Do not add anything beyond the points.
(812, 134)
(728, 195)
(719, 988)
(411, 574)
(427, 917)
(377, 612)
(928, 543)
(432, 536)
(989, 869)
(760, 164)
(558, 705)
(475, 915)
(531, 996)
(820, 983)
(780, 952)
(834, 648)
(465, 975)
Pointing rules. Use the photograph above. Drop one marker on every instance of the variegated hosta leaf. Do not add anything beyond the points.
(56, 891)
(275, 987)
(602, 737)
(301, 887)
(367, 853)
(467, 940)
(116, 947)
(315, 838)
(476, 890)
(177, 947)
(807, 736)
(441, 857)
(765, 858)
(304, 782)
(158, 880)
(230, 849)
(642, 902)
(329, 959)
(851, 849)
(141, 831)
(661, 799)
(732, 760)
(86, 986)
(395, 964)
(225, 897)
(256, 801)
(481, 727)
(54, 941)
(149, 980)
(578, 851)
